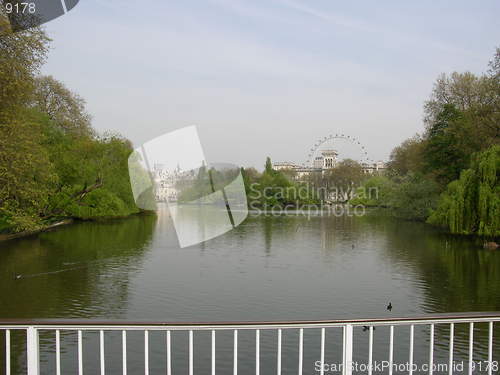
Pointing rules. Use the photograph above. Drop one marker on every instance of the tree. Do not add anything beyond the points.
(250, 177)
(376, 191)
(21, 56)
(26, 175)
(494, 66)
(447, 149)
(478, 98)
(407, 157)
(344, 178)
(471, 204)
(93, 175)
(462, 117)
(269, 166)
(414, 197)
(65, 108)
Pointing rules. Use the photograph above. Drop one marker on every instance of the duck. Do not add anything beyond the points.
(490, 245)
(389, 306)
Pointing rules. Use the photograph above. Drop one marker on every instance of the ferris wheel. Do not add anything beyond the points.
(363, 156)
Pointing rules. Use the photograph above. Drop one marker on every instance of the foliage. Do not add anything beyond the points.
(477, 97)
(494, 66)
(471, 204)
(21, 56)
(52, 164)
(98, 204)
(65, 108)
(346, 174)
(414, 198)
(250, 176)
(407, 157)
(26, 175)
(411, 198)
(85, 166)
(268, 168)
(462, 119)
(337, 183)
(275, 189)
(376, 191)
(448, 148)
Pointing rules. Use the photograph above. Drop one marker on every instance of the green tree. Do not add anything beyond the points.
(65, 108)
(250, 177)
(52, 163)
(447, 149)
(26, 175)
(414, 197)
(494, 66)
(344, 178)
(471, 204)
(376, 191)
(269, 166)
(476, 97)
(407, 157)
(21, 56)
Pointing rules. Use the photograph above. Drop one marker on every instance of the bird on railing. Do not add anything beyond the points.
(389, 306)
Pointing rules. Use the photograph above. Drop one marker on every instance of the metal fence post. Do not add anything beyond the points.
(33, 361)
(347, 366)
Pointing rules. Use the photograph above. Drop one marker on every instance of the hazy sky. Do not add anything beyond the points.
(267, 77)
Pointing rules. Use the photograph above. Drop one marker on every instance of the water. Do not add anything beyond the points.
(269, 268)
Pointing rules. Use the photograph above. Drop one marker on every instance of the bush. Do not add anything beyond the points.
(414, 198)
(374, 192)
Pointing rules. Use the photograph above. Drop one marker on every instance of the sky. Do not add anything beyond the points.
(267, 77)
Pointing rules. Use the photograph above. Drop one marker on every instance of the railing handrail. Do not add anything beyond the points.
(422, 319)
(33, 327)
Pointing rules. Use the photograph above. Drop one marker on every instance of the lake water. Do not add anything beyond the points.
(269, 268)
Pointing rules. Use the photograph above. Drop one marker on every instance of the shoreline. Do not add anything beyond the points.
(13, 236)
(65, 222)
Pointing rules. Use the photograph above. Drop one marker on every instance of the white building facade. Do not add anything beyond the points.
(327, 159)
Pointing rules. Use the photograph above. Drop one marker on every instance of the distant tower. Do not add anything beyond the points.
(329, 158)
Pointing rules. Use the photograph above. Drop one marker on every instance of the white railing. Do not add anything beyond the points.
(32, 331)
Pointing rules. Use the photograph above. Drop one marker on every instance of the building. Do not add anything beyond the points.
(285, 166)
(374, 168)
(327, 160)
(166, 182)
(321, 163)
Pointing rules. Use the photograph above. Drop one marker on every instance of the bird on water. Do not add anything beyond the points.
(389, 306)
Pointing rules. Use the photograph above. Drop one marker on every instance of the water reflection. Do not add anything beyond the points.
(268, 268)
(81, 271)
